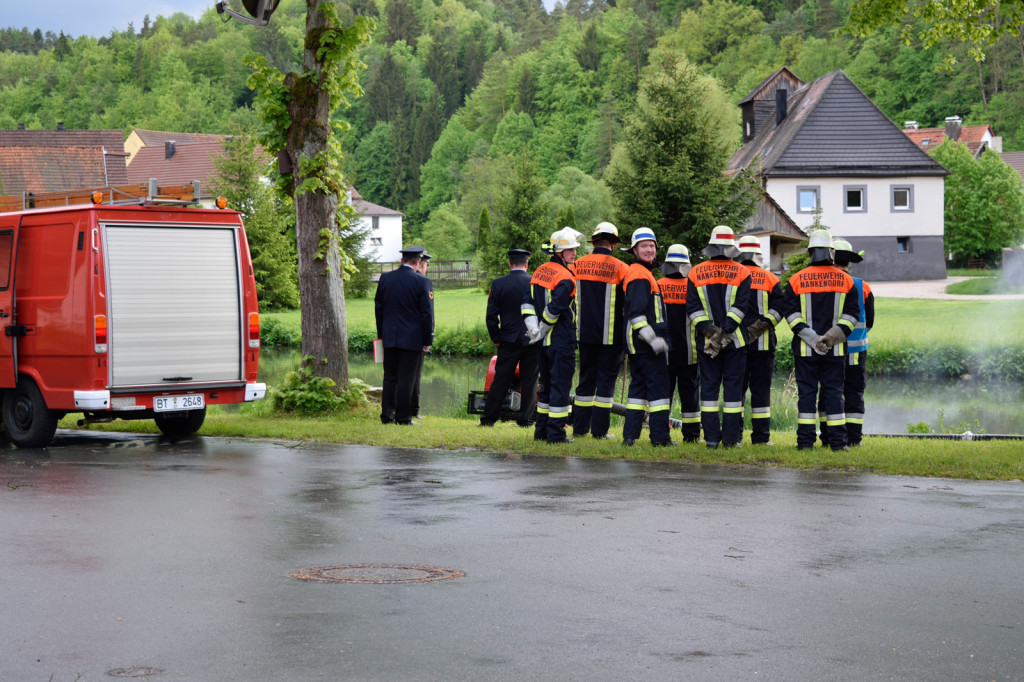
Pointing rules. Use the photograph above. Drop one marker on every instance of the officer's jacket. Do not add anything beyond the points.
(552, 298)
(643, 307)
(857, 342)
(599, 301)
(820, 297)
(680, 330)
(403, 308)
(719, 293)
(504, 307)
(765, 304)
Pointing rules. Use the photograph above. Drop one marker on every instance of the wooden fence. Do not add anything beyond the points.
(445, 274)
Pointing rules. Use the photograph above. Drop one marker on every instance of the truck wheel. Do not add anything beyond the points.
(180, 425)
(29, 423)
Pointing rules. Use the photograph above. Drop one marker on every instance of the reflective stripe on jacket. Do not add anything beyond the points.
(599, 301)
(719, 293)
(553, 300)
(680, 329)
(765, 303)
(820, 297)
(643, 307)
(858, 340)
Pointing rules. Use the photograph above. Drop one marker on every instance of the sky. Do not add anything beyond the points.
(93, 17)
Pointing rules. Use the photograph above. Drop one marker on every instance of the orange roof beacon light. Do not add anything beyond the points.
(97, 197)
(222, 202)
(101, 333)
(254, 330)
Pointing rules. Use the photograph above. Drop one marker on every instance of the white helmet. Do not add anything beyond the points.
(677, 260)
(721, 243)
(566, 238)
(640, 234)
(820, 247)
(606, 230)
(750, 250)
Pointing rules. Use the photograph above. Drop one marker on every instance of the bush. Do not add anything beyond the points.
(277, 334)
(305, 394)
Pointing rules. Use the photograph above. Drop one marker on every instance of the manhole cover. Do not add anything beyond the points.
(135, 671)
(376, 574)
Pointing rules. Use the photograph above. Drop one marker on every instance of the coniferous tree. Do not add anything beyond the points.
(521, 221)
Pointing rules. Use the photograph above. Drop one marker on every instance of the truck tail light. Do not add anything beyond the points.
(254, 330)
(101, 333)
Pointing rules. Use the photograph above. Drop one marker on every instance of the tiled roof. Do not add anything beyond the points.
(833, 129)
(927, 138)
(192, 161)
(112, 140)
(1016, 161)
(366, 208)
(152, 138)
(51, 169)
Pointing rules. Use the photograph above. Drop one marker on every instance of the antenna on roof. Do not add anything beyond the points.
(259, 11)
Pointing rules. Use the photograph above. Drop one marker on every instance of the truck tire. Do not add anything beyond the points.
(29, 423)
(180, 425)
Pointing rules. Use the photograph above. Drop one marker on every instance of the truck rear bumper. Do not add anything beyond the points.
(255, 392)
(92, 400)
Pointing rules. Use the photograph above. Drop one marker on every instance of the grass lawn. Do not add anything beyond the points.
(995, 460)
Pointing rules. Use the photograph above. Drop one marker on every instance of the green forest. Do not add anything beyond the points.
(464, 98)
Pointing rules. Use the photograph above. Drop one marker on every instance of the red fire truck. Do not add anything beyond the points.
(123, 303)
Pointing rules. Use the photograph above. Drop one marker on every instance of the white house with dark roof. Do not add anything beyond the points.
(383, 227)
(829, 146)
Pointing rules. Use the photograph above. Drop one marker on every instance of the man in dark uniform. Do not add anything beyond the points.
(405, 323)
(682, 358)
(507, 330)
(422, 269)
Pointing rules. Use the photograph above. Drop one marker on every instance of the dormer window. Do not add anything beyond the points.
(926, 141)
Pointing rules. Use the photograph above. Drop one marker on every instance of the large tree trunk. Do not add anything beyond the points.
(321, 290)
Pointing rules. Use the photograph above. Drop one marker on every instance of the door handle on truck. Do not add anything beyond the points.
(15, 330)
(3, 313)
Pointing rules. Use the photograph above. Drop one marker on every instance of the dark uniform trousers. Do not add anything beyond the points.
(854, 383)
(726, 370)
(758, 379)
(647, 377)
(511, 354)
(400, 366)
(827, 371)
(557, 365)
(599, 369)
(685, 379)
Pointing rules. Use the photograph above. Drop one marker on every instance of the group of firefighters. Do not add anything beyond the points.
(700, 331)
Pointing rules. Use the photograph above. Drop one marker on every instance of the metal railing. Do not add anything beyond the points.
(445, 274)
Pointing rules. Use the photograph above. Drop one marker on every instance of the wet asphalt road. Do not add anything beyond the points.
(124, 553)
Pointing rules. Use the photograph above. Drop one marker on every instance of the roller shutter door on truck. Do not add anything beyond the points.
(174, 305)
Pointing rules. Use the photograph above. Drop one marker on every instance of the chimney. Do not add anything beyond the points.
(780, 105)
(910, 125)
(168, 149)
(21, 126)
(953, 127)
(60, 126)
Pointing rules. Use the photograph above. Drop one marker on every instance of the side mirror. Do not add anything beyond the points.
(259, 11)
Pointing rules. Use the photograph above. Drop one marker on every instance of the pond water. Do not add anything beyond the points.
(891, 404)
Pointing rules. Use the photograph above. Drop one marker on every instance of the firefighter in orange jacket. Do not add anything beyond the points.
(599, 324)
(550, 312)
(855, 374)
(682, 359)
(763, 315)
(717, 296)
(647, 344)
(822, 309)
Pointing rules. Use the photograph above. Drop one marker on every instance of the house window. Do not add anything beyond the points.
(808, 198)
(903, 244)
(926, 141)
(377, 241)
(375, 223)
(855, 198)
(901, 198)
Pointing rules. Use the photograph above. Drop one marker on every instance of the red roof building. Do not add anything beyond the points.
(975, 137)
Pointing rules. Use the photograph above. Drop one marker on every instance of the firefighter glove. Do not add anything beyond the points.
(835, 336)
(542, 330)
(657, 344)
(712, 330)
(757, 328)
(531, 326)
(809, 336)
